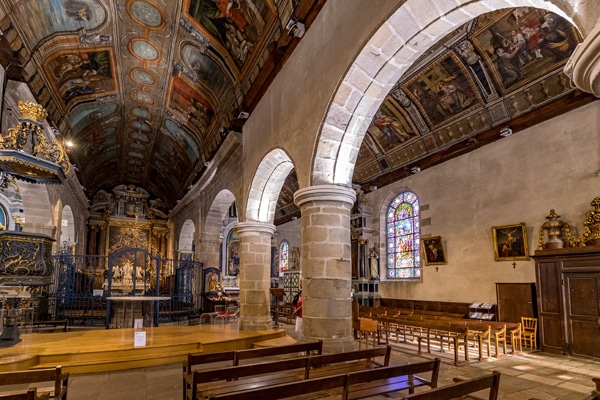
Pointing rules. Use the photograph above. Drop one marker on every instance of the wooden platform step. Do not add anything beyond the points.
(113, 349)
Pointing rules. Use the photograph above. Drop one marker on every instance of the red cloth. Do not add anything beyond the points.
(299, 305)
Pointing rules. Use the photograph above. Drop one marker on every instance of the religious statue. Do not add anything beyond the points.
(295, 258)
(374, 263)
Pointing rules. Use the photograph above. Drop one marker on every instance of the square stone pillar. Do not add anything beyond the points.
(255, 275)
(326, 265)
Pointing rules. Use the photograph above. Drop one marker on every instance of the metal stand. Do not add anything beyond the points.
(278, 293)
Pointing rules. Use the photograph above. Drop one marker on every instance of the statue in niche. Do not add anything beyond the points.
(295, 258)
(374, 263)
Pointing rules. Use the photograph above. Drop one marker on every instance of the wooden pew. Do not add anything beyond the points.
(29, 394)
(353, 385)
(234, 357)
(208, 383)
(55, 375)
(462, 388)
(306, 348)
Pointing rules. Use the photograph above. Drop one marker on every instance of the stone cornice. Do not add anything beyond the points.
(325, 193)
(251, 227)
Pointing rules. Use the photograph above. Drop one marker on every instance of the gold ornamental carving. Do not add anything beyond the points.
(28, 138)
(559, 232)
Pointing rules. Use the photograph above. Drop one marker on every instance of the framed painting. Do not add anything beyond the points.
(510, 242)
(433, 251)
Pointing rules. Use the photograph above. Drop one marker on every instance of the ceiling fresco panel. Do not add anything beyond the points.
(236, 26)
(523, 44)
(190, 105)
(82, 74)
(52, 16)
(444, 91)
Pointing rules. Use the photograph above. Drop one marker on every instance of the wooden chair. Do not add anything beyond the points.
(529, 332)
(367, 328)
(500, 337)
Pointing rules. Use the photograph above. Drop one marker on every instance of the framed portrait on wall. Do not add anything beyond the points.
(433, 251)
(510, 242)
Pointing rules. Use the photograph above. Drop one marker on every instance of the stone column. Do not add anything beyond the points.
(584, 65)
(326, 265)
(255, 275)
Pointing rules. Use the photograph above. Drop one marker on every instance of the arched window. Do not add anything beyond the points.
(403, 238)
(284, 257)
(3, 221)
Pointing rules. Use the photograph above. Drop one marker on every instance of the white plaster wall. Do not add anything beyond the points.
(517, 179)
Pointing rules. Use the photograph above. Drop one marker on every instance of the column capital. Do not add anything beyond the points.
(584, 65)
(252, 227)
(325, 193)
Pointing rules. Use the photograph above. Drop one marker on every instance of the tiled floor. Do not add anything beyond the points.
(528, 376)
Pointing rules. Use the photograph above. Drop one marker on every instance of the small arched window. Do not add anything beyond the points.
(284, 257)
(403, 238)
(3, 221)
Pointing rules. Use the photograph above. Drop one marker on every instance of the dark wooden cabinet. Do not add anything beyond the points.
(568, 284)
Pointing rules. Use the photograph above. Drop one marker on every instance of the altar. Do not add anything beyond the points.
(134, 311)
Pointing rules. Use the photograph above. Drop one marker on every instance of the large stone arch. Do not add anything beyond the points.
(67, 225)
(211, 240)
(395, 45)
(266, 185)
(186, 236)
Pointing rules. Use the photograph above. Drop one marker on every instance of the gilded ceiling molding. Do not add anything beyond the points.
(584, 65)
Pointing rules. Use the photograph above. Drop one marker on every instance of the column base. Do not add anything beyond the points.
(333, 346)
(256, 323)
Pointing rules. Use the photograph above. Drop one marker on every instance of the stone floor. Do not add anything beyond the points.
(528, 376)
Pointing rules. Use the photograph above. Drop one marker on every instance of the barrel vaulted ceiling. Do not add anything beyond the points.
(148, 89)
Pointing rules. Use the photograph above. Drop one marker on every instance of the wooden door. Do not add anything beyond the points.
(582, 303)
(516, 300)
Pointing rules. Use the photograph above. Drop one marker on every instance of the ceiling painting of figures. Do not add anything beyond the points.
(523, 44)
(82, 74)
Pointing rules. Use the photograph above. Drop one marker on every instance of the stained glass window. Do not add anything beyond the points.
(284, 257)
(3, 223)
(403, 238)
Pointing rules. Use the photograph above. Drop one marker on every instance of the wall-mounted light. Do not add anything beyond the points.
(243, 115)
(295, 28)
(506, 131)
(416, 169)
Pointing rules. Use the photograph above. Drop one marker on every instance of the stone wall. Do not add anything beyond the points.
(517, 179)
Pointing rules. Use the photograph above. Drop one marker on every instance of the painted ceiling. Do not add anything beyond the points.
(500, 70)
(148, 89)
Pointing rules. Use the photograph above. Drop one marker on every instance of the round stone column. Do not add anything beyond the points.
(326, 265)
(584, 65)
(255, 275)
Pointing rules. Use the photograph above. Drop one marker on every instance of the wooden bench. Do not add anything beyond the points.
(202, 361)
(34, 376)
(352, 385)
(462, 388)
(595, 395)
(211, 383)
(29, 394)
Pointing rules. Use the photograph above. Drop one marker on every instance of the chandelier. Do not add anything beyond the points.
(26, 154)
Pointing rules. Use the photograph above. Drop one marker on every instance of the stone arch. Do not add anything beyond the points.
(211, 234)
(395, 45)
(266, 185)
(67, 226)
(186, 236)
